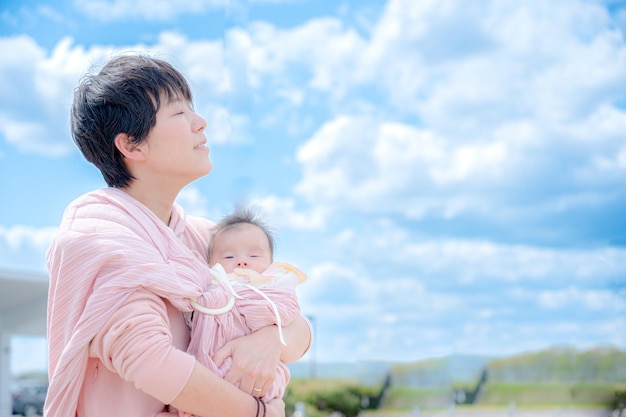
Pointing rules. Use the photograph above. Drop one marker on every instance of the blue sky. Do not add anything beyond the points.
(449, 174)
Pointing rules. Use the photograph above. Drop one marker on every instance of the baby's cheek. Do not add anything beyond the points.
(229, 267)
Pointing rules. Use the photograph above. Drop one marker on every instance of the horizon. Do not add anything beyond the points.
(304, 367)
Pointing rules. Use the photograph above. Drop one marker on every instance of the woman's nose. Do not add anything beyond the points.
(199, 123)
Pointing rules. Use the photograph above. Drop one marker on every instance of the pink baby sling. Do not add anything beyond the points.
(253, 307)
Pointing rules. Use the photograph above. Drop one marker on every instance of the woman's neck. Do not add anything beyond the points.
(158, 202)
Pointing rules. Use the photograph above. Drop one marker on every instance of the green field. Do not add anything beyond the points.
(523, 395)
(548, 394)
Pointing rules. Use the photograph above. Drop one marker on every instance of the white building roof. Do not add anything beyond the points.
(23, 303)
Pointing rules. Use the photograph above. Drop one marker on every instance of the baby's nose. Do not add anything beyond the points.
(242, 263)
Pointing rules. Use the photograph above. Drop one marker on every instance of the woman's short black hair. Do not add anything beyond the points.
(123, 97)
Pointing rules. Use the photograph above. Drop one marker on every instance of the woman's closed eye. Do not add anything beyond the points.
(178, 109)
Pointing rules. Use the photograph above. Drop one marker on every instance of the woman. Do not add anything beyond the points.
(127, 262)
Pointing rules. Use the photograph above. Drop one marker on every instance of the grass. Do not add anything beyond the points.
(496, 395)
(406, 398)
(548, 394)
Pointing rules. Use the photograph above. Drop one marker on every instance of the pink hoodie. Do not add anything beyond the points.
(110, 247)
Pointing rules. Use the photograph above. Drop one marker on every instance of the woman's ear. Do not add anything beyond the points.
(125, 145)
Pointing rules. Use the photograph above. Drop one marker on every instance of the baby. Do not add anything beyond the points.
(256, 292)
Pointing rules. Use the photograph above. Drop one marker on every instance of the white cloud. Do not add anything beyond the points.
(479, 65)
(24, 247)
(19, 236)
(193, 201)
(357, 162)
(572, 297)
(493, 110)
(284, 213)
(472, 262)
(460, 295)
(52, 14)
(160, 10)
(616, 164)
(222, 125)
(329, 56)
(202, 61)
(37, 92)
(345, 285)
(31, 137)
(19, 101)
(37, 88)
(353, 162)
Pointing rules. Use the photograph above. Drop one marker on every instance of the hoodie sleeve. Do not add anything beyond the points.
(143, 345)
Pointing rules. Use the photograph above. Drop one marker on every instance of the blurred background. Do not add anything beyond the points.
(449, 174)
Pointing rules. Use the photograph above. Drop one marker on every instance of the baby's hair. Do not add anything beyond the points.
(243, 215)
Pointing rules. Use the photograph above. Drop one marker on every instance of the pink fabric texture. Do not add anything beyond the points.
(108, 247)
(250, 312)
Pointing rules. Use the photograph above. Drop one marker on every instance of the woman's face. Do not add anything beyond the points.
(176, 148)
(242, 246)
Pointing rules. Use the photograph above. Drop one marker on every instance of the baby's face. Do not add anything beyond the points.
(242, 246)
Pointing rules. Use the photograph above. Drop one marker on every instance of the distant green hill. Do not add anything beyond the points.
(561, 364)
(438, 372)
(555, 377)
(556, 364)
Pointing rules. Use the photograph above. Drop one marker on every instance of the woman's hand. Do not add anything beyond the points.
(255, 360)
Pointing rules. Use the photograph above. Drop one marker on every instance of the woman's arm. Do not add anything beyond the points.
(256, 356)
(138, 342)
(298, 336)
(205, 394)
